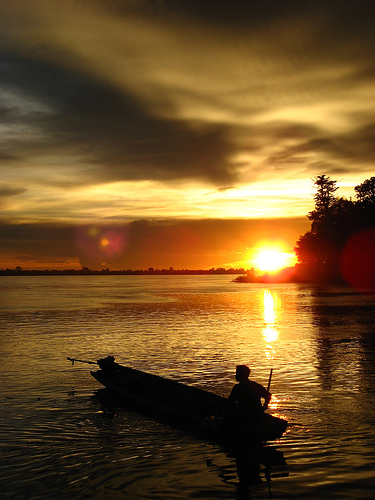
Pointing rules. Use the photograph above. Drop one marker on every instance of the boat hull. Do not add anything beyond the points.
(203, 411)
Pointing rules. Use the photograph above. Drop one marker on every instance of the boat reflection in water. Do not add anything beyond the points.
(241, 463)
(253, 466)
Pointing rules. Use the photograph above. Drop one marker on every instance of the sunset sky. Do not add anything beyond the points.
(179, 133)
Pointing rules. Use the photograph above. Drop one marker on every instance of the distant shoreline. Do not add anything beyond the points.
(128, 272)
(321, 274)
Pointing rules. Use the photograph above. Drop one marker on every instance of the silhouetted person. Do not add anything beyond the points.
(247, 396)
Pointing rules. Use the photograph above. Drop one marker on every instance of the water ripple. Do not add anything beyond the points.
(60, 442)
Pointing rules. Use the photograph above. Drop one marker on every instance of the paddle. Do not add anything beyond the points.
(266, 403)
(83, 361)
(269, 380)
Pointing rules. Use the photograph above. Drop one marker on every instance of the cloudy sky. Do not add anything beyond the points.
(184, 133)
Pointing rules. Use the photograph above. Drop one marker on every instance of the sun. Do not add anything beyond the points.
(269, 260)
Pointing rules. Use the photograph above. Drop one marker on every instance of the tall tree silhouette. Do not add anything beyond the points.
(324, 202)
(319, 245)
(342, 234)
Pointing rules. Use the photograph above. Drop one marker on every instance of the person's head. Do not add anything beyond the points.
(242, 372)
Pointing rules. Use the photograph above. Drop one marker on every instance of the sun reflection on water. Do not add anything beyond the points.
(275, 404)
(270, 333)
(269, 307)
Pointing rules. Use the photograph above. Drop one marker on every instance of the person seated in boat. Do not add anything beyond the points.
(247, 396)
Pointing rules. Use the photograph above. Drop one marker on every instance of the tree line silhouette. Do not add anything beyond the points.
(335, 220)
(340, 245)
(18, 271)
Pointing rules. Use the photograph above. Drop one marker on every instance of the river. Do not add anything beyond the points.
(60, 440)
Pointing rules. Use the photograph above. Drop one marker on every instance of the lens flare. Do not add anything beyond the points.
(100, 244)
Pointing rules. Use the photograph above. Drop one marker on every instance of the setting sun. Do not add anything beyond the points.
(273, 260)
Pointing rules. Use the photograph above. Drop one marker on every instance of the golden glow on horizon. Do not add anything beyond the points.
(129, 200)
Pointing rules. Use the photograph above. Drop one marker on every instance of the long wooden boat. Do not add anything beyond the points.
(203, 411)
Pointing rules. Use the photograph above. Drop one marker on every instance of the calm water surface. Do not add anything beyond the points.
(60, 439)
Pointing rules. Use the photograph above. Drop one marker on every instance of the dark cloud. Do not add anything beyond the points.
(341, 150)
(36, 242)
(333, 28)
(190, 244)
(342, 16)
(63, 110)
(6, 192)
(358, 146)
(108, 129)
(123, 138)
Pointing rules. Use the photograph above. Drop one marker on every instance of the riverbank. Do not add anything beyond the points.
(300, 273)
